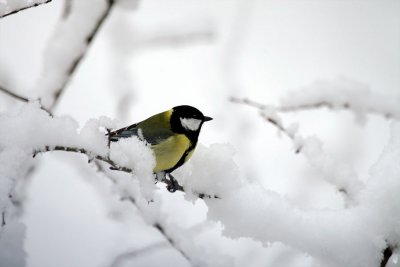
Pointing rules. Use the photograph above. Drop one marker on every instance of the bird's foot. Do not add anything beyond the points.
(173, 184)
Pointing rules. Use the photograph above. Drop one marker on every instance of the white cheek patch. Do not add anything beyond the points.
(190, 124)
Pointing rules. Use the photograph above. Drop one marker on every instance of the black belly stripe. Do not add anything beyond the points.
(183, 158)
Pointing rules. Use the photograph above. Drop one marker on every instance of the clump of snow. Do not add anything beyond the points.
(354, 236)
(343, 93)
(137, 155)
(336, 237)
(335, 172)
(210, 171)
(32, 129)
(92, 135)
(381, 196)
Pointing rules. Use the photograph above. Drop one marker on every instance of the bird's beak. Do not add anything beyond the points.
(207, 118)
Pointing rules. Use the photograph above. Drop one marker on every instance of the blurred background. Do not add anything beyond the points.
(152, 55)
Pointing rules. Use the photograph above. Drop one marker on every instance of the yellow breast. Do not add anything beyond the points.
(170, 151)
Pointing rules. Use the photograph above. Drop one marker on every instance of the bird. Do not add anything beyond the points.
(172, 135)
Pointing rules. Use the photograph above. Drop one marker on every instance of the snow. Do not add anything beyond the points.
(11, 244)
(351, 237)
(332, 170)
(136, 154)
(344, 93)
(213, 172)
(7, 6)
(60, 58)
(274, 207)
(40, 130)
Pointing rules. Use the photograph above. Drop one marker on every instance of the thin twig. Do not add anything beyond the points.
(267, 113)
(309, 106)
(14, 95)
(24, 8)
(21, 98)
(67, 9)
(265, 116)
(3, 218)
(170, 240)
(387, 253)
(247, 102)
(163, 232)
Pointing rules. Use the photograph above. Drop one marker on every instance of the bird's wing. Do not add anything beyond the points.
(152, 136)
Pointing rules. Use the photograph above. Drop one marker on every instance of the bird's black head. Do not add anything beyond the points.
(188, 120)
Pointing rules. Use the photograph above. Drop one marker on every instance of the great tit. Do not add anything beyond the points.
(172, 135)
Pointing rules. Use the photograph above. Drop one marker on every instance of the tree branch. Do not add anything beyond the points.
(309, 106)
(157, 225)
(21, 98)
(74, 63)
(387, 253)
(170, 183)
(14, 95)
(270, 119)
(324, 104)
(162, 231)
(331, 174)
(24, 8)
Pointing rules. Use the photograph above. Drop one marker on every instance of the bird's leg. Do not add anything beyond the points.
(109, 137)
(174, 185)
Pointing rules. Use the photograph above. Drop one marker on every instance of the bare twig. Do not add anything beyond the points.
(21, 98)
(176, 39)
(387, 253)
(14, 95)
(24, 8)
(3, 218)
(265, 116)
(248, 102)
(170, 240)
(67, 8)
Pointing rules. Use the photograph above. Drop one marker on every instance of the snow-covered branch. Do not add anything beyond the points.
(177, 237)
(114, 165)
(342, 94)
(15, 6)
(130, 155)
(20, 98)
(355, 236)
(334, 171)
(71, 40)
